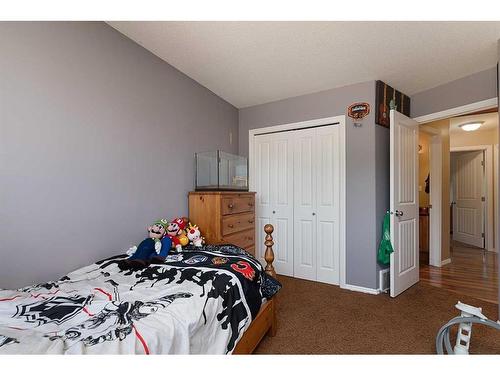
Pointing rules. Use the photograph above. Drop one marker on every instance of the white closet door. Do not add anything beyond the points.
(274, 199)
(316, 204)
(304, 187)
(327, 166)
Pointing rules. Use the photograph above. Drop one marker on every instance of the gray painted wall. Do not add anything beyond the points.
(366, 170)
(466, 90)
(382, 182)
(97, 137)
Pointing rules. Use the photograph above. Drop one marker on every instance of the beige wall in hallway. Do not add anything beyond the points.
(477, 138)
(444, 127)
(423, 168)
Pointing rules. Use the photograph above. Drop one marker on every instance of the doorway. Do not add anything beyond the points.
(429, 193)
(468, 262)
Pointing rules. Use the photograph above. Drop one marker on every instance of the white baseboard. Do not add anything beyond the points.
(445, 262)
(361, 289)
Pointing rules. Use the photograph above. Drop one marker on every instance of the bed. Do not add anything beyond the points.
(217, 299)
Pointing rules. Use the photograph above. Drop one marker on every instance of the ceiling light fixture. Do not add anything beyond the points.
(471, 126)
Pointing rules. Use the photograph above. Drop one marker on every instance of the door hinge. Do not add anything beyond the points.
(482, 235)
(482, 163)
(483, 199)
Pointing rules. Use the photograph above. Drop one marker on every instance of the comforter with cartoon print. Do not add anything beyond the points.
(198, 301)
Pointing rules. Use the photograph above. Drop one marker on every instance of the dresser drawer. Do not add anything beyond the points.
(237, 204)
(244, 239)
(237, 223)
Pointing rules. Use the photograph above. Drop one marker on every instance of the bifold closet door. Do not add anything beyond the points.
(316, 204)
(273, 161)
(328, 204)
(304, 220)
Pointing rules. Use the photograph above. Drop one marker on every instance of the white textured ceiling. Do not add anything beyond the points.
(249, 63)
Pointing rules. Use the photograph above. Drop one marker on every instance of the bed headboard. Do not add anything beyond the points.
(269, 254)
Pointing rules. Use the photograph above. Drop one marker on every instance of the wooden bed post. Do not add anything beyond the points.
(265, 321)
(269, 255)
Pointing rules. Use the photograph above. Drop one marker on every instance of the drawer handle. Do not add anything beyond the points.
(230, 225)
(250, 221)
(249, 238)
(230, 205)
(250, 204)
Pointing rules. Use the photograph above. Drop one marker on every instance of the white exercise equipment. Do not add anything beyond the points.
(468, 315)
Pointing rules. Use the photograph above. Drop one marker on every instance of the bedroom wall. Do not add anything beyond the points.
(470, 89)
(97, 137)
(367, 173)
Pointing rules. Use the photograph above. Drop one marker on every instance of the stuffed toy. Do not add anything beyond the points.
(194, 235)
(153, 249)
(175, 231)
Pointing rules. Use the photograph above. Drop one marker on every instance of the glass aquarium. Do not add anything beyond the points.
(219, 170)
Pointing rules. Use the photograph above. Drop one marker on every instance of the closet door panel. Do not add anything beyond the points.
(263, 209)
(304, 202)
(263, 175)
(327, 159)
(274, 199)
(282, 201)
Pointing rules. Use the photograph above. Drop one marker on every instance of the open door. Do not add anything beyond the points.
(404, 269)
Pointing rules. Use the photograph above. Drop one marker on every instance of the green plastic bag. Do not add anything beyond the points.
(385, 248)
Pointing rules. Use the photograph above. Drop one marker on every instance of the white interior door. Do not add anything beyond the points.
(297, 178)
(316, 204)
(327, 160)
(404, 267)
(468, 198)
(273, 161)
(304, 221)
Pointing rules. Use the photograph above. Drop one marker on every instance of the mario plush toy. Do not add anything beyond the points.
(176, 232)
(153, 249)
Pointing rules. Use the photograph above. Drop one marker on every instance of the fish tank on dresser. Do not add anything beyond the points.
(219, 170)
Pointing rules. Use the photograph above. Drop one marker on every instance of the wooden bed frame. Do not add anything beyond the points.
(265, 321)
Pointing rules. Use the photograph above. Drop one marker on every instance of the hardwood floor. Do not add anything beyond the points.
(472, 272)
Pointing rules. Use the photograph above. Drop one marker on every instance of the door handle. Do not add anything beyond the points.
(399, 213)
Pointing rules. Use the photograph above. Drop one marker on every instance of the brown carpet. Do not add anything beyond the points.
(315, 318)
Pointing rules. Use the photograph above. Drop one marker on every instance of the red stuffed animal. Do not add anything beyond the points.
(176, 232)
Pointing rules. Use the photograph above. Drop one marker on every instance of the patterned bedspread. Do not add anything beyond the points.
(198, 301)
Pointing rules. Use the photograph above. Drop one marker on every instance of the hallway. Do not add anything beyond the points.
(472, 272)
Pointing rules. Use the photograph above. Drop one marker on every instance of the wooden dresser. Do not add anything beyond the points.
(224, 217)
